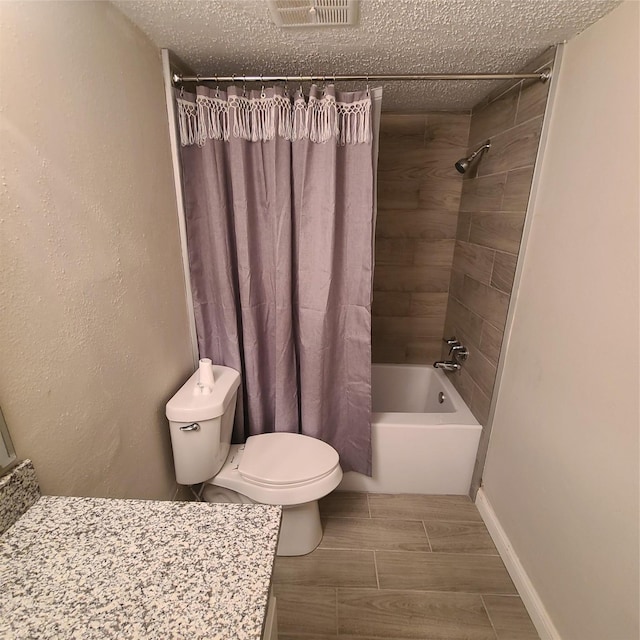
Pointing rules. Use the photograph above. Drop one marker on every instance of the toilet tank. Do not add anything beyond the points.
(201, 425)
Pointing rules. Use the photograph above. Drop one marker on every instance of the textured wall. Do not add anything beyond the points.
(562, 468)
(418, 199)
(93, 330)
(492, 212)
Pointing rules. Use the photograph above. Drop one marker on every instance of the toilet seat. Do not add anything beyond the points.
(277, 459)
(263, 476)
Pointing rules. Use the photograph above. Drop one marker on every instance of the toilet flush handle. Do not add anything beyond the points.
(191, 427)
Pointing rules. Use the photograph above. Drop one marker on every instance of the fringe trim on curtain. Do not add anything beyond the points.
(254, 119)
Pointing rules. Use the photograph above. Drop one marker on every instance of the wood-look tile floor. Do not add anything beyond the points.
(399, 567)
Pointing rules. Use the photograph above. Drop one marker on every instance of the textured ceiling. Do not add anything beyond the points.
(228, 37)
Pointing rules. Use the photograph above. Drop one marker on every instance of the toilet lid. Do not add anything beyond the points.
(286, 458)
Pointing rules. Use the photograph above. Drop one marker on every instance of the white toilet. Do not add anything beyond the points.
(274, 468)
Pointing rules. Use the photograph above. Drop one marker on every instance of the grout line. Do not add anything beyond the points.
(375, 564)
(504, 188)
(497, 173)
(466, 554)
(507, 89)
(502, 251)
(337, 623)
(514, 168)
(337, 516)
(449, 591)
(453, 553)
(503, 131)
(515, 117)
(463, 554)
(486, 609)
(475, 313)
(426, 533)
(401, 519)
(494, 211)
(509, 85)
(493, 266)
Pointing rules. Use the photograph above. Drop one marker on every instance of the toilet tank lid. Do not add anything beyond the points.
(185, 406)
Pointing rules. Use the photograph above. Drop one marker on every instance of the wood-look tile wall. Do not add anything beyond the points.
(492, 212)
(418, 201)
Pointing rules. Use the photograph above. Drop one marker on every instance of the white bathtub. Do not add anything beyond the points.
(424, 437)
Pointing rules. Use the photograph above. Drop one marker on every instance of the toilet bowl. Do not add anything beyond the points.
(287, 469)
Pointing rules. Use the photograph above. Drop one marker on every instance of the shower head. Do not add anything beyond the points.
(464, 163)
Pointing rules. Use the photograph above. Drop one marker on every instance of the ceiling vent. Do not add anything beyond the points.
(314, 13)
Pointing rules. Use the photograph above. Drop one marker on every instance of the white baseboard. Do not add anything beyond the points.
(536, 609)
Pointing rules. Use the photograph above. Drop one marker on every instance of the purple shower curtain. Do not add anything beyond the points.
(279, 237)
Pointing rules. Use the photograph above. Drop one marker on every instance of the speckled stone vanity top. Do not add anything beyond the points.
(99, 568)
(18, 491)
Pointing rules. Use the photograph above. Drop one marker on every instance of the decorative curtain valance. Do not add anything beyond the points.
(261, 115)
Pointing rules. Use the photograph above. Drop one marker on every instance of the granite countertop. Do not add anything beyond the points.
(100, 568)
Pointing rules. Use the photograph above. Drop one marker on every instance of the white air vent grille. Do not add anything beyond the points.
(314, 13)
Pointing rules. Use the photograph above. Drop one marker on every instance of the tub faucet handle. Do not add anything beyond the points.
(451, 341)
(459, 352)
(447, 365)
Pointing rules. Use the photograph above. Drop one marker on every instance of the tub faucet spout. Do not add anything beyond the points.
(447, 365)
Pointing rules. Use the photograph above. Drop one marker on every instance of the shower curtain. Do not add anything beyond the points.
(279, 200)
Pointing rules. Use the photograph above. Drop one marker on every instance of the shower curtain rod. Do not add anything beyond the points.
(543, 76)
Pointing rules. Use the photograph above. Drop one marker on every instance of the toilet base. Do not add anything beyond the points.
(300, 531)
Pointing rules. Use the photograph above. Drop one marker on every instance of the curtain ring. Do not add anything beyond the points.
(182, 91)
(198, 78)
(286, 86)
(244, 85)
(301, 91)
(217, 87)
(262, 93)
(367, 86)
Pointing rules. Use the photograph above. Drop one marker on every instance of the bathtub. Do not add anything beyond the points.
(424, 437)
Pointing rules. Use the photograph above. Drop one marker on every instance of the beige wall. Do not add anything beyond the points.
(418, 199)
(93, 329)
(562, 467)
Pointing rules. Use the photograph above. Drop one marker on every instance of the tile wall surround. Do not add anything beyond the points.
(418, 200)
(490, 223)
(447, 245)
